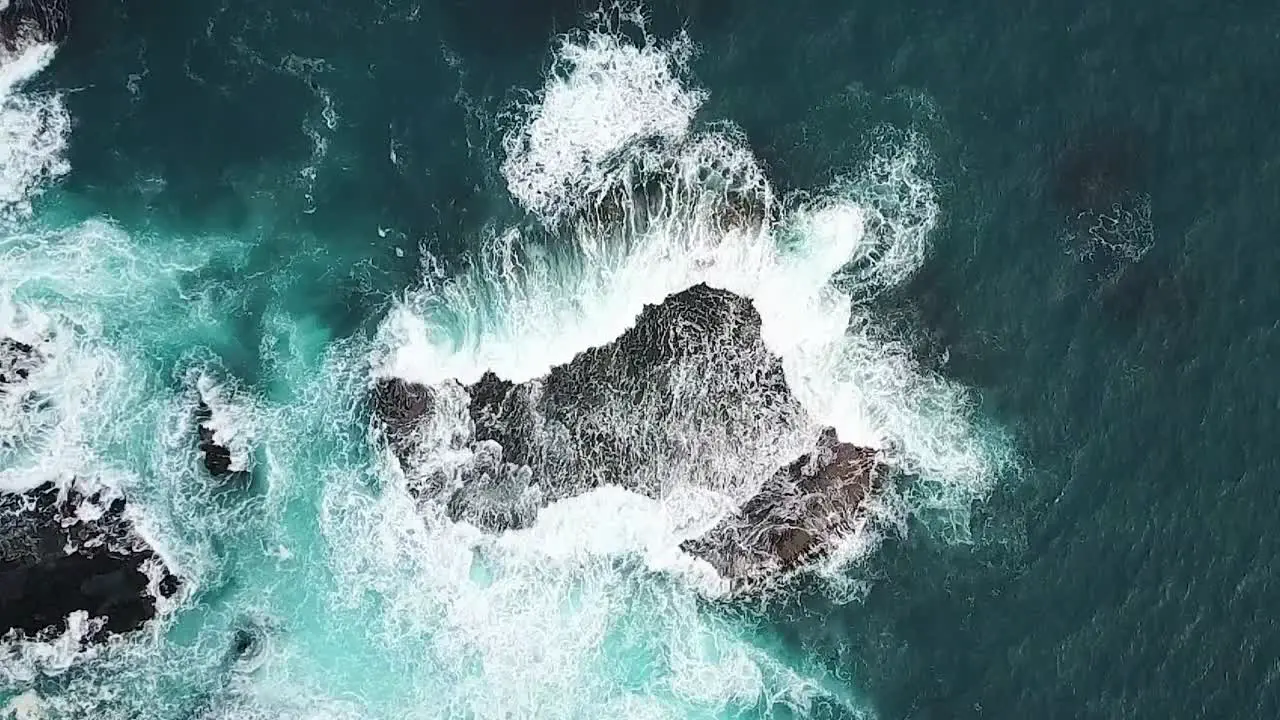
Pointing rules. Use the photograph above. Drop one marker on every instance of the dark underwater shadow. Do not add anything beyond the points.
(1096, 165)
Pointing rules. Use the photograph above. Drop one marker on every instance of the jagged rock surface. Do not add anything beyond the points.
(217, 458)
(17, 361)
(34, 21)
(667, 392)
(54, 562)
(797, 511)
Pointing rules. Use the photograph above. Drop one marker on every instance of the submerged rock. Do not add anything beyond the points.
(62, 552)
(690, 392)
(33, 21)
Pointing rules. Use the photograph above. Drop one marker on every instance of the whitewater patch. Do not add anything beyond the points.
(633, 202)
(232, 419)
(46, 425)
(34, 128)
(378, 605)
(538, 624)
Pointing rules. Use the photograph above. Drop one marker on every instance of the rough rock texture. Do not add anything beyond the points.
(401, 406)
(813, 499)
(668, 390)
(678, 392)
(34, 21)
(225, 431)
(17, 361)
(55, 561)
(217, 458)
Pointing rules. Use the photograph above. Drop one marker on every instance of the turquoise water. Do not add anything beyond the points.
(291, 200)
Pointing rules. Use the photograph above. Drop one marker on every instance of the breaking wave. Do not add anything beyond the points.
(33, 130)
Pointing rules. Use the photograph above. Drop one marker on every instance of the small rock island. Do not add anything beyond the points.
(691, 375)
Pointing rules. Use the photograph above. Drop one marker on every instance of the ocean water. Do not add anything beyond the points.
(1027, 251)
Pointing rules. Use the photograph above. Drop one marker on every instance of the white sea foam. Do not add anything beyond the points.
(23, 659)
(530, 305)
(593, 611)
(26, 706)
(536, 625)
(522, 622)
(34, 127)
(47, 425)
(233, 418)
(601, 95)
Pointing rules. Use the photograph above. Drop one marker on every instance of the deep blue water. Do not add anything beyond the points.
(1125, 568)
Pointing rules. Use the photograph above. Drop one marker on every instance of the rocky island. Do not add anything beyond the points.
(26, 21)
(690, 380)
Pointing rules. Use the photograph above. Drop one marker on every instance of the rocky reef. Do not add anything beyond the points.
(62, 552)
(687, 387)
(216, 456)
(25, 21)
(17, 361)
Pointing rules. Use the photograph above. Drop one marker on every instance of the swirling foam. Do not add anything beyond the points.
(34, 127)
(601, 94)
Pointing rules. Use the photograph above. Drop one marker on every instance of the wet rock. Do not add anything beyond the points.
(217, 458)
(26, 21)
(668, 389)
(17, 361)
(63, 552)
(676, 394)
(495, 494)
(797, 515)
(401, 406)
(224, 431)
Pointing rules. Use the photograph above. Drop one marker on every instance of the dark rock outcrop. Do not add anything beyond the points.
(691, 379)
(667, 389)
(401, 406)
(17, 361)
(224, 431)
(217, 458)
(53, 562)
(794, 516)
(24, 21)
